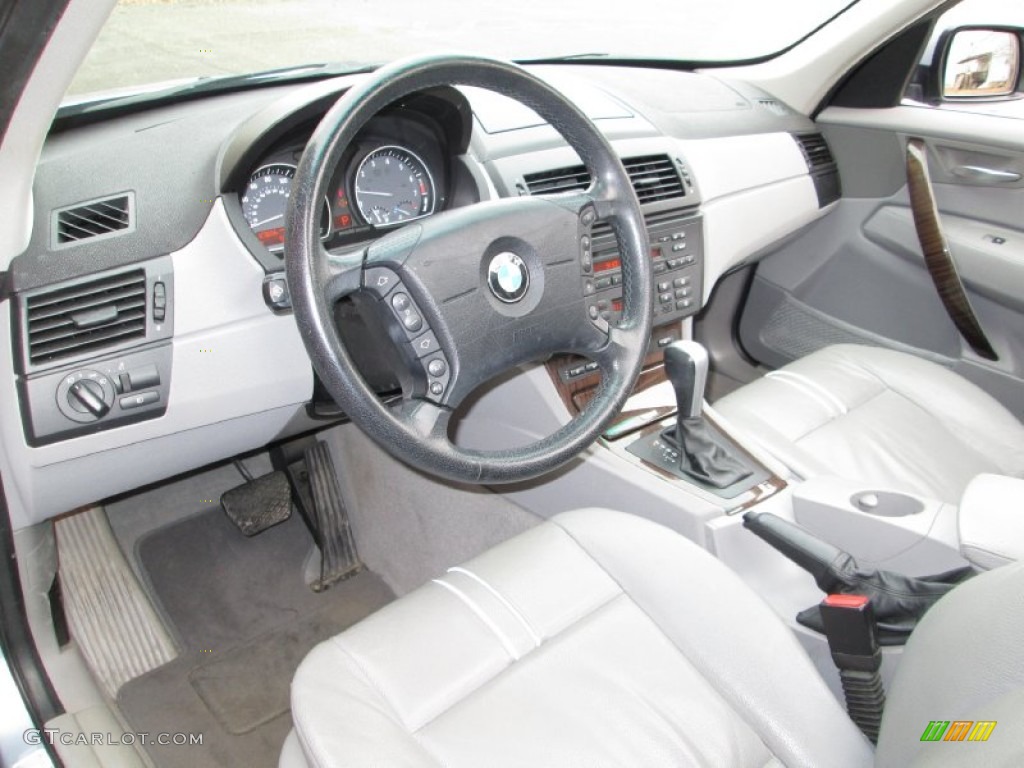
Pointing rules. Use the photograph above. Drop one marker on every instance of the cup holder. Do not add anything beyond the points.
(886, 503)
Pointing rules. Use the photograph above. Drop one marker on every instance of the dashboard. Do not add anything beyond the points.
(150, 330)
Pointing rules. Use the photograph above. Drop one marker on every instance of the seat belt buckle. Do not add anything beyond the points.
(852, 636)
(852, 633)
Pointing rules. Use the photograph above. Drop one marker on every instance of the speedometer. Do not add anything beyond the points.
(265, 200)
(392, 185)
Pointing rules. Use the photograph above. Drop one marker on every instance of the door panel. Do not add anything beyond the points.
(989, 257)
(859, 276)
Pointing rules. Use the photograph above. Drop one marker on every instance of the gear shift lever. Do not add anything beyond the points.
(686, 365)
(704, 454)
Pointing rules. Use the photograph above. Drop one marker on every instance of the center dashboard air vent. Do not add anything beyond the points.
(654, 178)
(86, 316)
(103, 217)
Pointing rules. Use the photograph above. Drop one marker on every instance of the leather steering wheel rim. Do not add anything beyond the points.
(554, 315)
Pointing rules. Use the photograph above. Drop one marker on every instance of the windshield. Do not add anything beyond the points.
(151, 41)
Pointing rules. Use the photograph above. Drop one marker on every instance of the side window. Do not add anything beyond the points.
(973, 61)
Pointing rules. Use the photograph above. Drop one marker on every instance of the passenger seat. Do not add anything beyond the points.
(886, 418)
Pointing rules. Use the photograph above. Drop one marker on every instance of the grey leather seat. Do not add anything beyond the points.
(602, 639)
(882, 417)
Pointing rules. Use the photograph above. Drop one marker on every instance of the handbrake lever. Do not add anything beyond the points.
(817, 557)
(899, 601)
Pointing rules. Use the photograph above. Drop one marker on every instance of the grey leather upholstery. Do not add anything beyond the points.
(602, 639)
(596, 639)
(963, 662)
(880, 417)
(990, 521)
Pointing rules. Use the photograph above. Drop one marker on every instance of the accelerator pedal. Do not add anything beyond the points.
(259, 503)
(317, 491)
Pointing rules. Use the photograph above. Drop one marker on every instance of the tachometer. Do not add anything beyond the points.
(264, 202)
(392, 185)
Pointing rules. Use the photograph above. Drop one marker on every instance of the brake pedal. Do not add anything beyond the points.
(259, 503)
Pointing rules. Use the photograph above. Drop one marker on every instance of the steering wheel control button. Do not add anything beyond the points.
(276, 293)
(438, 373)
(379, 281)
(425, 345)
(411, 320)
(588, 217)
(593, 311)
(507, 277)
(400, 302)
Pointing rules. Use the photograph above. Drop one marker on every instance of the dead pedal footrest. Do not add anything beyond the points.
(259, 504)
(326, 515)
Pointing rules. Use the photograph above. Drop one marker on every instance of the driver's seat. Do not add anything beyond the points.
(601, 639)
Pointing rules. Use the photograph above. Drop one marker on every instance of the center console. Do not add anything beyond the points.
(648, 433)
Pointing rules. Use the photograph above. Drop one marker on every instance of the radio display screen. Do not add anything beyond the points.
(616, 262)
(607, 266)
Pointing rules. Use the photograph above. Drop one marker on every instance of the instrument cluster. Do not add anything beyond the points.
(393, 173)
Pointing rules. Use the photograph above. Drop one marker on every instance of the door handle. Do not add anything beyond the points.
(980, 173)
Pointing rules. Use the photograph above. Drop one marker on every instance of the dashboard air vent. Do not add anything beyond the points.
(816, 151)
(97, 218)
(602, 233)
(86, 316)
(654, 178)
(822, 167)
(571, 179)
(774, 106)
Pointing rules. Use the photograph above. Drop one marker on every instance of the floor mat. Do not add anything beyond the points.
(244, 618)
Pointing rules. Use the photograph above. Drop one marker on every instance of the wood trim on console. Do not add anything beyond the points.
(576, 393)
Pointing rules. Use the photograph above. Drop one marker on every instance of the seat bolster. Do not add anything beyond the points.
(728, 633)
(991, 525)
(962, 663)
(291, 753)
(331, 689)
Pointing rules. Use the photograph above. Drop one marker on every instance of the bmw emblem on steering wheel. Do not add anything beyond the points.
(508, 277)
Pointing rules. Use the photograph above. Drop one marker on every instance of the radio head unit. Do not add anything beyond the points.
(676, 248)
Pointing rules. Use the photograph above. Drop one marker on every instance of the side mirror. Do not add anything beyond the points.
(981, 63)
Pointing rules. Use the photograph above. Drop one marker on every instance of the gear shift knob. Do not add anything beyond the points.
(686, 365)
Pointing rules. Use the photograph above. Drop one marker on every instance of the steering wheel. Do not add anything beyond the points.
(472, 292)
